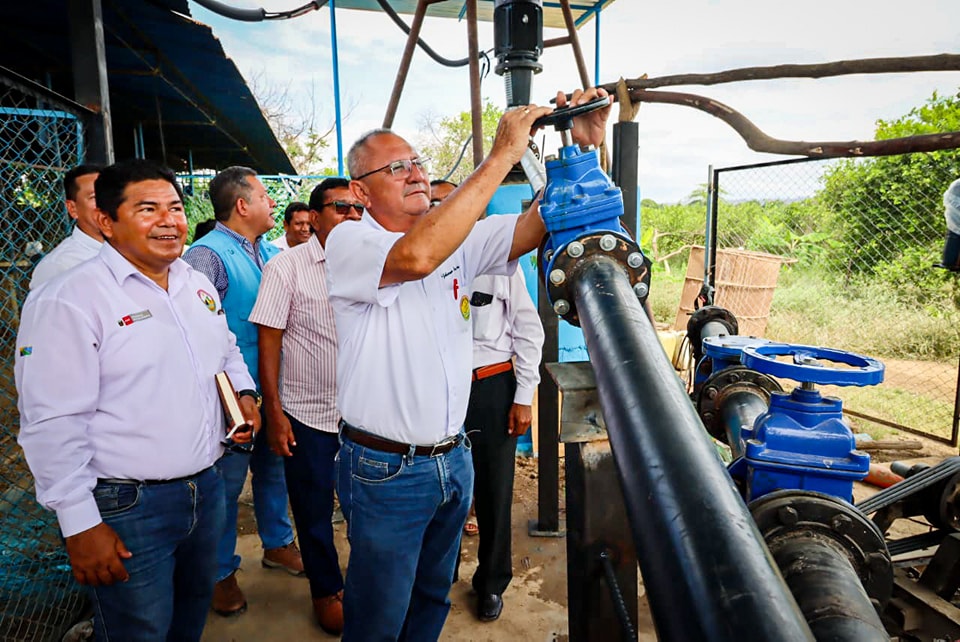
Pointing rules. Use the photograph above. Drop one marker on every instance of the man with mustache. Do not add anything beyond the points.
(399, 283)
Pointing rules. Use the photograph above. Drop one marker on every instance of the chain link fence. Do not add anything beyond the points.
(854, 243)
(282, 189)
(39, 142)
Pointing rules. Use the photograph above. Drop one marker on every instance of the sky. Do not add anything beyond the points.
(677, 144)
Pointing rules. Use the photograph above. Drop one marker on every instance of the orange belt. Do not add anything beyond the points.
(493, 369)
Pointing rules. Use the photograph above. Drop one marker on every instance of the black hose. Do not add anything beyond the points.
(260, 14)
(446, 62)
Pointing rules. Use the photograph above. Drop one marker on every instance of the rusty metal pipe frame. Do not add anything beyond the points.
(408, 50)
(695, 540)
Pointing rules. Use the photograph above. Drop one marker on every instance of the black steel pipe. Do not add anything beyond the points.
(696, 542)
(739, 410)
(828, 590)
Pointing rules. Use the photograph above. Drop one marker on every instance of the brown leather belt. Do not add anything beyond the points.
(368, 440)
(493, 369)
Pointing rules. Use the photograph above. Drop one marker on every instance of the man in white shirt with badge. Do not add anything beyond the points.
(84, 242)
(399, 284)
(120, 418)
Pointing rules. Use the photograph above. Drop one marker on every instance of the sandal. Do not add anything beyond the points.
(470, 528)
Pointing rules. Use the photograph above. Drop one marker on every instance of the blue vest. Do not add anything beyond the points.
(243, 277)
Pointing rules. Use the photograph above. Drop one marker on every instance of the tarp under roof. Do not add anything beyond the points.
(582, 10)
(166, 73)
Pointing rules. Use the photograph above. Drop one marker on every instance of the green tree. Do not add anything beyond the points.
(889, 207)
(444, 139)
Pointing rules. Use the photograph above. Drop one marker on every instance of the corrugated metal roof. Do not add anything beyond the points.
(583, 10)
(165, 70)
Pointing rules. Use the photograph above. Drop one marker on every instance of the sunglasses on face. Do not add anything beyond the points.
(400, 168)
(343, 208)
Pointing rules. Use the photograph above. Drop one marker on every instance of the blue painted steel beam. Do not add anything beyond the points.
(336, 86)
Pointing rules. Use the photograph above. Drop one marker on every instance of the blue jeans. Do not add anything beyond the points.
(172, 531)
(269, 501)
(310, 483)
(404, 519)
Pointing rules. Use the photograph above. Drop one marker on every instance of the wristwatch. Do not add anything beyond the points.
(257, 397)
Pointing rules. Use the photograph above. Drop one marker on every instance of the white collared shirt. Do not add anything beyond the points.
(293, 298)
(403, 370)
(508, 326)
(281, 242)
(115, 380)
(72, 251)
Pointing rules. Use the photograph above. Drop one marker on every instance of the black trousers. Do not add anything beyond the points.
(310, 486)
(494, 454)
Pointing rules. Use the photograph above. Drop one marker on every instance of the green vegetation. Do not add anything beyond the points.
(859, 247)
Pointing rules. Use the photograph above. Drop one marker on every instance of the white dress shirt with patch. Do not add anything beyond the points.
(406, 350)
(116, 380)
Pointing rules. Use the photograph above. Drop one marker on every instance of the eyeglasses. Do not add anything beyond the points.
(400, 168)
(343, 208)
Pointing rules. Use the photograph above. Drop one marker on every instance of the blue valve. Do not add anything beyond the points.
(805, 368)
(803, 442)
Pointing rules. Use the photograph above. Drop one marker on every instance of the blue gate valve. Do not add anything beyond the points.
(803, 442)
(581, 209)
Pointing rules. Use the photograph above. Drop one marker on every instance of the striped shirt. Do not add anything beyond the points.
(293, 297)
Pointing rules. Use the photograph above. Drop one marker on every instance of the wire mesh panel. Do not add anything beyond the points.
(857, 240)
(282, 189)
(39, 142)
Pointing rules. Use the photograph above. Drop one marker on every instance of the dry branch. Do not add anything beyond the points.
(761, 142)
(938, 62)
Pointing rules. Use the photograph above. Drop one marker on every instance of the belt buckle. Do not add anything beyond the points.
(441, 444)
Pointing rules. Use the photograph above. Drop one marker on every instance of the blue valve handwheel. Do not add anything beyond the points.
(862, 371)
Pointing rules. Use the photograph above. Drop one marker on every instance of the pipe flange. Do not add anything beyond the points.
(950, 504)
(616, 246)
(721, 385)
(703, 316)
(786, 515)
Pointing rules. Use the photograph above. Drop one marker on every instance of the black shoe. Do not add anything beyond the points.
(489, 607)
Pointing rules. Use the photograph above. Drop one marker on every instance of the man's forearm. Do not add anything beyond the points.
(270, 341)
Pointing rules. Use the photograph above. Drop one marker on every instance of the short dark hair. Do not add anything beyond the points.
(293, 208)
(70, 187)
(227, 187)
(319, 194)
(113, 181)
(203, 228)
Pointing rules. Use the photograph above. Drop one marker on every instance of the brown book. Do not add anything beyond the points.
(231, 406)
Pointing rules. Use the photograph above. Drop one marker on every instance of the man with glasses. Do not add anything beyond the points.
(232, 256)
(293, 316)
(120, 420)
(400, 280)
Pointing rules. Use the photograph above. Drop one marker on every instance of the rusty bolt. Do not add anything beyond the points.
(711, 393)
(840, 523)
(788, 516)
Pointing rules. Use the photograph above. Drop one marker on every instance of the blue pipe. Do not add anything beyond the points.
(336, 86)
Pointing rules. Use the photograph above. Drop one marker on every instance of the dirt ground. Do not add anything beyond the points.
(534, 604)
